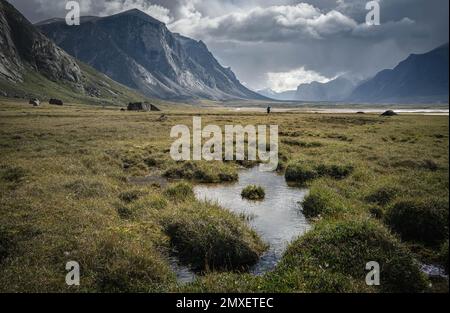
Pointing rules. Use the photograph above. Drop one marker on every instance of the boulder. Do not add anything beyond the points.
(56, 102)
(142, 106)
(389, 113)
(163, 118)
(35, 102)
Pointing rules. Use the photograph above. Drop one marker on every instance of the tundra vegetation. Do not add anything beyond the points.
(253, 192)
(378, 192)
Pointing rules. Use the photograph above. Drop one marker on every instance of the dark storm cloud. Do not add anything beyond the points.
(266, 41)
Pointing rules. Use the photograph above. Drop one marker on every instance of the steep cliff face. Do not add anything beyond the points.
(22, 45)
(31, 65)
(140, 52)
(419, 78)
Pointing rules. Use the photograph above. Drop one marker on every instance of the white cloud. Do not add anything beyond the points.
(274, 23)
(283, 81)
(159, 12)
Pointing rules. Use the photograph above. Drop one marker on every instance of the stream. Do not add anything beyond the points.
(277, 219)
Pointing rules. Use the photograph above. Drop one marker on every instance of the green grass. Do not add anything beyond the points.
(302, 172)
(339, 250)
(253, 192)
(66, 193)
(422, 220)
(209, 238)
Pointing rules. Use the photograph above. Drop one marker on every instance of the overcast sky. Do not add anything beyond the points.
(282, 43)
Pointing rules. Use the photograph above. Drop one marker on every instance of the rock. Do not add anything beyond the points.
(389, 113)
(360, 112)
(142, 106)
(56, 102)
(163, 118)
(35, 102)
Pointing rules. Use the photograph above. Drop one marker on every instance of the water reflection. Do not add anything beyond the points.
(277, 219)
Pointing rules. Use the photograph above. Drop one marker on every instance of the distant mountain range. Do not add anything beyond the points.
(335, 90)
(421, 78)
(31, 65)
(140, 52)
(282, 96)
(338, 89)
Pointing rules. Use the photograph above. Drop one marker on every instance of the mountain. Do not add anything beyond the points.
(31, 65)
(140, 52)
(420, 78)
(282, 96)
(335, 90)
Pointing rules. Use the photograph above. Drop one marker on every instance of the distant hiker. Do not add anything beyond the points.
(269, 109)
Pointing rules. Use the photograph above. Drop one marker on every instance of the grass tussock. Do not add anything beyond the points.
(303, 172)
(209, 238)
(217, 173)
(333, 257)
(180, 192)
(421, 220)
(323, 201)
(86, 188)
(253, 192)
(12, 175)
(383, 195)
(123, 265)
(131, 195)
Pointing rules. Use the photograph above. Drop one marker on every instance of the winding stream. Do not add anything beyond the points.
(278, 219)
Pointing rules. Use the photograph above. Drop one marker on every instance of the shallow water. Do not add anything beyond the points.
(433, 271)
(278, 219)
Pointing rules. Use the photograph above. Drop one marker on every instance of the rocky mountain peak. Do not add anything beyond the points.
(139, 51)
(24, 46)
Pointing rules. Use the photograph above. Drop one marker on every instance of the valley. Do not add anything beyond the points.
(82, 160)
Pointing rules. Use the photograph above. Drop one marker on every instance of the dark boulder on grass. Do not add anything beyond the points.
(142, 106)
(423, 220)
(253, 192)
(389, 113)
(333, 258)
(56, 102)
(35, 102)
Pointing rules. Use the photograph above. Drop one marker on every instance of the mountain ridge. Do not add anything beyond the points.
(31, 65)
(140, 52)
(419, 78)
